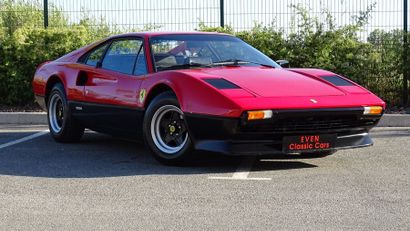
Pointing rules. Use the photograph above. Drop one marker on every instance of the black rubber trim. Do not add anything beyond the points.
(113, 106)
(115, 120)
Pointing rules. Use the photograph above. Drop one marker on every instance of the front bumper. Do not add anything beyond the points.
(236, 136)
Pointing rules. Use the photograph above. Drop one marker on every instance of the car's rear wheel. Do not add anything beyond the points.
(63, 127)
(165, 130)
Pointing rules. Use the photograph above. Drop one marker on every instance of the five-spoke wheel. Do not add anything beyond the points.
(63, 127)
(165, 131)
(56, 113)
(168, 129)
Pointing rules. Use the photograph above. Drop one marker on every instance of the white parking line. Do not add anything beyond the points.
(35, 135)
(241, 173)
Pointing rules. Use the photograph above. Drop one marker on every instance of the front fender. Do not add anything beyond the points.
(194, 95)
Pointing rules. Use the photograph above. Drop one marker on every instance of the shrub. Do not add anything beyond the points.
(23, 51)
(24, 44)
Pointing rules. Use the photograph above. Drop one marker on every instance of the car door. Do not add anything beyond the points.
(111, 87)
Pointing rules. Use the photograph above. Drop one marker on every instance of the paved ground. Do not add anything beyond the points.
(108, 184)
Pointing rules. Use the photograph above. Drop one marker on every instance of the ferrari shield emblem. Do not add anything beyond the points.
(142, 95)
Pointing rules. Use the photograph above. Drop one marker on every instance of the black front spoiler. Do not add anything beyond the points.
(264, 147)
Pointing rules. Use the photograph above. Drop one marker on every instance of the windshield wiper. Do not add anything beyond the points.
(184, 66)
(236, 62)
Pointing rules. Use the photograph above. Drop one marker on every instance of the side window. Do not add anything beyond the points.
(121, 56)
(141, 65)
(96, 55)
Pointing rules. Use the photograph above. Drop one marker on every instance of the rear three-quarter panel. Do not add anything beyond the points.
(53, 72)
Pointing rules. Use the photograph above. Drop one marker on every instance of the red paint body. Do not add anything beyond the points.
(261, 87)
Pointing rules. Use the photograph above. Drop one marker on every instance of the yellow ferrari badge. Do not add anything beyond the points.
(143, 92)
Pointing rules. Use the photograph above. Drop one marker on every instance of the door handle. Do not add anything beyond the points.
(103, 80)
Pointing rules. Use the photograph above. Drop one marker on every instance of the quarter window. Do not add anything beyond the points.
(96, 55)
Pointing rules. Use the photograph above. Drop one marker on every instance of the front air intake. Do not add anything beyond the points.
(337, 81)
(221, 84)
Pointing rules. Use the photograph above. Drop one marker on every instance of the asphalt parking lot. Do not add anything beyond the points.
(104, 183)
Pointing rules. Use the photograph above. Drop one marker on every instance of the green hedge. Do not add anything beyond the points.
(23, 51)
(24, 44)
(376, 64)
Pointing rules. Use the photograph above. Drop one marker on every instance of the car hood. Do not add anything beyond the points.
(264, 88)
(268, 82)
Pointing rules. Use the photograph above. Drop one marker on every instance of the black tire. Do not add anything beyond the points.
(319, 154)
(63, 127)
(162, 113)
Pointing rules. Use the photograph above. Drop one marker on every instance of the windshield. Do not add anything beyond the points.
(192, 51)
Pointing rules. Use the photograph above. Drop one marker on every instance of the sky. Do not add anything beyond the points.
(185, 15)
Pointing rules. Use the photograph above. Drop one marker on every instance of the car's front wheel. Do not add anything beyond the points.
(165, 130)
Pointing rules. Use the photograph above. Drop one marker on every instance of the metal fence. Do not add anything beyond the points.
(186, 15)
(171, 15)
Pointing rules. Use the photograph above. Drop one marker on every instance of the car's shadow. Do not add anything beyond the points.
(103, 156)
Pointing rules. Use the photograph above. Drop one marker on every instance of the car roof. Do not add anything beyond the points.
(159, 33)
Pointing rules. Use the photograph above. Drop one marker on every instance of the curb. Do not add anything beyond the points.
(395, 120)
(388, 120)
(23, 118)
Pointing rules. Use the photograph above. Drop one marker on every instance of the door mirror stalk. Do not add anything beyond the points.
(283, 63)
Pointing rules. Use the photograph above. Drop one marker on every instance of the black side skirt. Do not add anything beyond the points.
(114, 120)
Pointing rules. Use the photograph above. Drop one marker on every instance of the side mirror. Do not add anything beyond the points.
(283, 63)
(99, 64)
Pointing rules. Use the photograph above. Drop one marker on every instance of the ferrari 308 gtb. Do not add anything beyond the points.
(182, 92)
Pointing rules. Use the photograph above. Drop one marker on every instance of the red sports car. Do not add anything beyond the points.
(202, 91)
